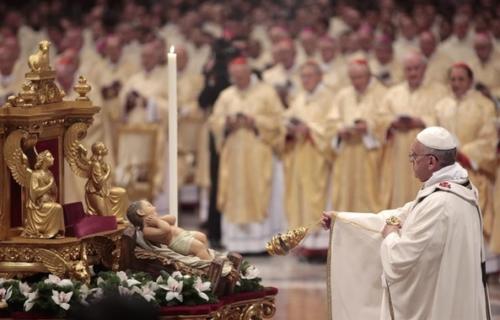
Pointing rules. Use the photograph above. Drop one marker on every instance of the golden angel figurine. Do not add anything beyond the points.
(44, 216)
(101, 199)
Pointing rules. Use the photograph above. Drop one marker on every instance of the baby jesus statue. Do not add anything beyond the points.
(162, 230)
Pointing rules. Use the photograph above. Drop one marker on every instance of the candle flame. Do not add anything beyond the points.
(172, 49)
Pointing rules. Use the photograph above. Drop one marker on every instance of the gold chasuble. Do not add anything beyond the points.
(487, 73)
(472, 120)
(398, 183)
(306, 162)
(245, 166)
(356, 173)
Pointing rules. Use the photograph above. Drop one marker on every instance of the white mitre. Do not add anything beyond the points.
(437, 138)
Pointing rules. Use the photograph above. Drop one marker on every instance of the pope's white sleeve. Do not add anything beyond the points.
(399, 253)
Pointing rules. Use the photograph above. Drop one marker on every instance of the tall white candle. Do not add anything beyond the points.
(172, 134)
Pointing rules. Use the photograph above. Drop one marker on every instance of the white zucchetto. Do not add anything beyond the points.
(437, 138)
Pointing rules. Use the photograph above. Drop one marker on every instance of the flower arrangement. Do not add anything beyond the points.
(249, 278)
(57, 297)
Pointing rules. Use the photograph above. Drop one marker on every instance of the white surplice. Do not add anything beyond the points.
(431, 269)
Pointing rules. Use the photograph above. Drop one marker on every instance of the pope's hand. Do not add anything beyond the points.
(390, 229)
(326, 220)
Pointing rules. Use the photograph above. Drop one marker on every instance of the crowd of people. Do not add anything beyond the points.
(286, 108)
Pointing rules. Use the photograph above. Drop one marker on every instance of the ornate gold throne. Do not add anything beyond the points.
(39, 114)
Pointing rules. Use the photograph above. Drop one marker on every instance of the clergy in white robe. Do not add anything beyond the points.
(420, 261)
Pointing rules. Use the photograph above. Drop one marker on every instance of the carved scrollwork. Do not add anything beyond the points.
(74, 152)
(104, 248)
(253, 312)
(53, 262)
(268, 308)
(80, 270)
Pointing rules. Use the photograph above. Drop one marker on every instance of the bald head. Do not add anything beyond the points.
(310, 75)
(360, 74)
(460, 26)
(149, 56)
(240, 74)
(383, 49)
(309, 41)
(427, 42)
(7, 61)
(12, 45)
(73, 39)
(286, 52)
(414, 66)
(327, 48)
(483, 46)
(113, 48)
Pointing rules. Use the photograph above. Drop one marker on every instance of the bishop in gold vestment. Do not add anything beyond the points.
(407, 108)
(471, 118)
(356, 142)
(245, 123)
(306, 160)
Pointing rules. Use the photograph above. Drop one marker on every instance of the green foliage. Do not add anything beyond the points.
(55, 296)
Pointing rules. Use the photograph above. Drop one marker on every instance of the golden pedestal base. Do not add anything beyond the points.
(67, 257)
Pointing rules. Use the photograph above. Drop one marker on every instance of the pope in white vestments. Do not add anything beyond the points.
(420, 261)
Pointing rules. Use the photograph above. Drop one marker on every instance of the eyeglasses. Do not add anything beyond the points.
(413, 156)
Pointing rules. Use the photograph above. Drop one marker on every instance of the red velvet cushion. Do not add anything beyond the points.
(79, 225)
(190, 310)
(249, 295)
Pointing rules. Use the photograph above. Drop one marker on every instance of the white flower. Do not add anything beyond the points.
(24, 288)
(52, 279)
(97, 293)
(84, 293)
(4, 297)
(132, 282)
(122, 276)
(251, 273)
(177, 274)
(62, 298)
(5, 294)
(125, 291)
(173, 288)
(30, 302)
(65, 283)
(146, 292)
(159, 279)
(201, 286)
(91, 271)
(152, 285)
